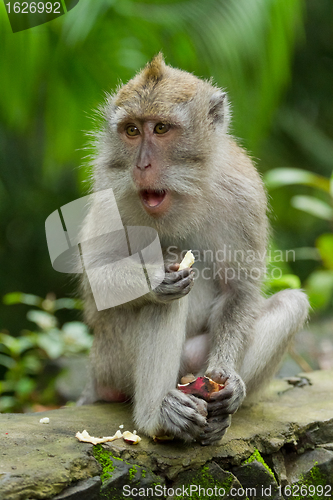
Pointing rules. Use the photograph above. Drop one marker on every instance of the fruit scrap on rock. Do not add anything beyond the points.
(127, 436)
(201, 387)
(131, 438)
(86, 438)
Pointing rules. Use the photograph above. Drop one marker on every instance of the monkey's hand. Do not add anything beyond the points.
(222, 405)
(176, 284)
(183, 415)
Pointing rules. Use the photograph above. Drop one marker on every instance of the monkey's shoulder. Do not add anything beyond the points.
(242, 162)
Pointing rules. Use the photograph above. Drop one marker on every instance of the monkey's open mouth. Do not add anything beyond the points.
(151, 198)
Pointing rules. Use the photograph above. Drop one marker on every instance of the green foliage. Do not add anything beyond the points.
(245, 45)
(279, 177)
(282, 282)
(27, 359)
(69, 63)
(319, 285)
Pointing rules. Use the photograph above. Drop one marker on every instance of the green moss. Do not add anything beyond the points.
(143, 473)
(106, 459)
(316, 475)
(132, 472)
(256, 456)
(103, 457)
(314, 478)
(207, 481)
(227, 484)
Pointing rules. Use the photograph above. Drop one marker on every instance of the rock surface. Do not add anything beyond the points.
(283, 441)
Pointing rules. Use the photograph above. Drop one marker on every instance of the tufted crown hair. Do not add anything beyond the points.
(154, 88)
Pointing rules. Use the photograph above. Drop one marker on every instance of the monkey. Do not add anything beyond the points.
(164, 148)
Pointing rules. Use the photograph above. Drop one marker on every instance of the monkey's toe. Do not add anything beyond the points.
(215, 429)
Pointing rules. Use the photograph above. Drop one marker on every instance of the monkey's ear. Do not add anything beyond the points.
(219, 109)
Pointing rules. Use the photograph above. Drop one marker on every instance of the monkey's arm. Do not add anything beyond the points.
(159, 406)
(231, 328)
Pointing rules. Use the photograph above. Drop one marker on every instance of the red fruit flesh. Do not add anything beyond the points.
(201, 387)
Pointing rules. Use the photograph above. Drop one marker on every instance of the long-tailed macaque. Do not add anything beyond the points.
(165, 151)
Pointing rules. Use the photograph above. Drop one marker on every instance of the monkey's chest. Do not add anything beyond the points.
(200, 299)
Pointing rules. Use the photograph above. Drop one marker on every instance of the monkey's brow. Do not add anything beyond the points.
(170, 119)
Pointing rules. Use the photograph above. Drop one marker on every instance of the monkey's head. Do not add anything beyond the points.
(162, 132)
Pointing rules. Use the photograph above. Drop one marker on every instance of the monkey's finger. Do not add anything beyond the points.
(217, 405)
(214, 430)
(216, 426)
(201, 405)
(216, 420)
(172, 267)
(184, 282)
(176, 276)
(213, 439)
(218, 376)
(219, 409)
(225, 393)
(186, 272)
(178, 286)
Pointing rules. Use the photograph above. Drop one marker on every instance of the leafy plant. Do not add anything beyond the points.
(29, 359)
(319, 285)
(246, 46)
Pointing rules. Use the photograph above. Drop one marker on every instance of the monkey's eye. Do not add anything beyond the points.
(161, 128)
(132, 130)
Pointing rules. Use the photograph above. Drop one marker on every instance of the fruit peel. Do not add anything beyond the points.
(201, 387)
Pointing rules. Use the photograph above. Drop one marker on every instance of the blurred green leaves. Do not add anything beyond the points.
(279, 177)
(313, 206)
(30, 376)
(319, 285)
(50, 304)
(53, 74)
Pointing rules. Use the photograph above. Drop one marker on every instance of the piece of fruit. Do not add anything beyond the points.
(86, 438)
(201, 387)
(187, 261)
(131, 438)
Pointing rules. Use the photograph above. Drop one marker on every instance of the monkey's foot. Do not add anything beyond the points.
(214, 430)
(182, 415)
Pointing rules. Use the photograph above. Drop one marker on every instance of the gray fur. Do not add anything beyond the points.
(217, 201)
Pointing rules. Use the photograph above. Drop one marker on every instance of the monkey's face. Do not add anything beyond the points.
(164, 130)
(150, 145)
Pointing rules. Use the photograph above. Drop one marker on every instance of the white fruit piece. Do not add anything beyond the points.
(44, 420)
(187, 261)
(131, 438)
(86, 438)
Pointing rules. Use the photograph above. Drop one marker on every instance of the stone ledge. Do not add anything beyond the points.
(286, 439)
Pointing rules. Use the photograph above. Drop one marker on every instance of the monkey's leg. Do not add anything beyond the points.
(159, 406)
(195, 355)
(283, 315)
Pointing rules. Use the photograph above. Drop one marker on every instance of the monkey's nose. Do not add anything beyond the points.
(143, 167)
